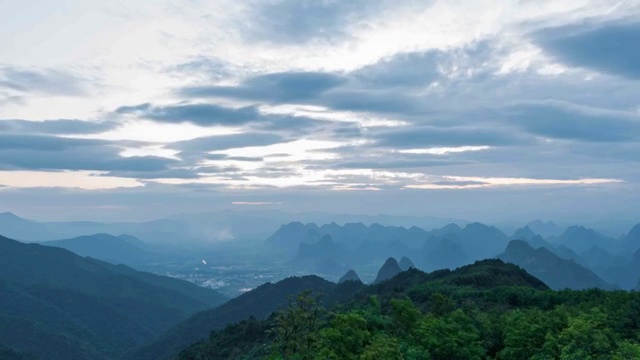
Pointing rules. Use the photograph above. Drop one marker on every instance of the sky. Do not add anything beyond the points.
(484, 110)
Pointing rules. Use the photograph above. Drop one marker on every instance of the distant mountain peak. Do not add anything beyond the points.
(9, 214)
(477, 225)
(576, 228)
(351, 275)
(541, 222)
(406, 264)
(518, 246)
(388, 270)
(452, 226)
(524, 233)
(555, 271)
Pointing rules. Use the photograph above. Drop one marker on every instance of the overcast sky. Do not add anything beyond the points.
(485, 110)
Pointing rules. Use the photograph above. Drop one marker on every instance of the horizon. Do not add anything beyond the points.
(125, 110)
(613, 229)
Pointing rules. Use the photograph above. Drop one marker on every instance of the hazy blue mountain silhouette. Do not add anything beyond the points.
(389, 269)
(114, 249)
(351, 275)
(632, 240)
(18, 228)
(545, 229)
(580, 239)
(598, 258)
(524, 233)
(555, 271)
(405, 263)
(288, 237)
(447, 254)
(626, 275)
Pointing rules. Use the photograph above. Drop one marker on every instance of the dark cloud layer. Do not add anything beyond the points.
(609, 48)
(44, 143)
(58, 126)
(45, 81)
(566, 121)
(99, 159)
(39, 152)
(276, 87)
(301, 21)
(199, 114)
(224, 142)
(408, 69)
(429, 136)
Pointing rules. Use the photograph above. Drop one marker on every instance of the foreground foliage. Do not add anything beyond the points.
(487, 310)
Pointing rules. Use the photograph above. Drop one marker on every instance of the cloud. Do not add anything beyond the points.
(58, 126)
(42, 81)
(178, 173)
(101, 159)
(44, 142)
(274, 87)
(85, 180)
(198, 114)
(224, 142)
(610, 47)
(561, 120)
(431, 136)
(254, 203)
(397, 84)
(203, 68)
(39, 152)
(302, 21)
(444, 150)
(406, 69)
(390, 163)
(471, 182)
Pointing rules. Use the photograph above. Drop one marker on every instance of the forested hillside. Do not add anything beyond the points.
(259, 303)
(57, 305)
(488, 310)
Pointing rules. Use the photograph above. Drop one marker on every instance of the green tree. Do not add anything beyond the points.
(404, 316)
(345, 339)
(451, 337)
(627, 350)
(382, 347)
(295, 326)
(586, 337)
(525, 333)
(441, 304)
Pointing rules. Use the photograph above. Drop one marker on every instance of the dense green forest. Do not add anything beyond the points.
(8, 354)
(486, 310)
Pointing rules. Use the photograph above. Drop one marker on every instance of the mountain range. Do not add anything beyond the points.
(198, 228)
(580, 239)
(358, 243)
